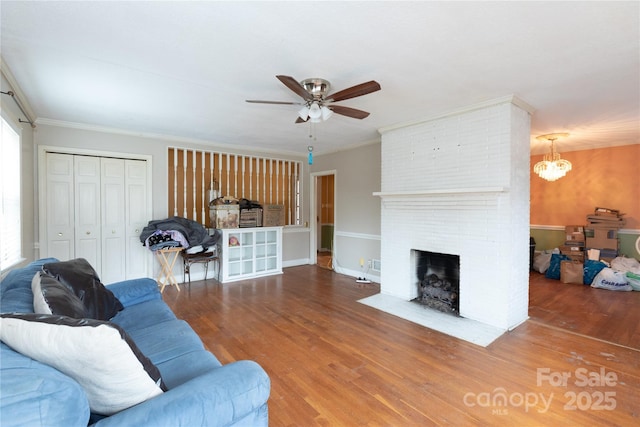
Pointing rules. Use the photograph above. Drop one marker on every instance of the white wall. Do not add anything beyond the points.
(89, 139)
(460, 185)
(357, 216)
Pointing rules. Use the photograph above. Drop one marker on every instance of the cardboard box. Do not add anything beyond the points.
(602, 238)
(576, 253)
(574, 233)
(272, 215)
(224, 216)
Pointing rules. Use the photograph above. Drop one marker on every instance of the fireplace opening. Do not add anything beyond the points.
(438, 280)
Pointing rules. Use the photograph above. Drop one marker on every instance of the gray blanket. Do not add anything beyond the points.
(193, 231)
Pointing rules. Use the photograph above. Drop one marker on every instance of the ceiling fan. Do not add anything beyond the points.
(317, 105)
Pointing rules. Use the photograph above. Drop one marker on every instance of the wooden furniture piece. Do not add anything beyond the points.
(167, 258)
(202, 258)
(250, 252)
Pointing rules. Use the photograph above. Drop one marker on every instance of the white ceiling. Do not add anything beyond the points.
(184, 69)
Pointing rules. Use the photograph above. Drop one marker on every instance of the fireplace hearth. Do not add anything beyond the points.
(438, 280)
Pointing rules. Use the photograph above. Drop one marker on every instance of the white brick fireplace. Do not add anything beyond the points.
(459, 184)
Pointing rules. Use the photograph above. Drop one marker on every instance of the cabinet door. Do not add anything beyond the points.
(247, 246)
(60, 237)
(87, 210)
(232, 253)
(113, 225)
(273, 257)
(136, 217)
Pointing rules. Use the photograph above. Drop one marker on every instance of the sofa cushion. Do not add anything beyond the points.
(78, 275)
(19, 280)
(167, 340)
(34, 394)
(20, 276)
(52, 297)
(98, 355)
(141, 316)
(135, 291)
(183, 368)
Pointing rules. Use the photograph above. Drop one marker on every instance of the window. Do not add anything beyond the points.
(10, 225)
(193, 173)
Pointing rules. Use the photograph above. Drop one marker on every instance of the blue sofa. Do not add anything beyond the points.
(200, 391)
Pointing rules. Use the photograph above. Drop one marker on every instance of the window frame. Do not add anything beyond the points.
(13, 125)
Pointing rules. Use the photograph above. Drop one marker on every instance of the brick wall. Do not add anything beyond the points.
(459, 184)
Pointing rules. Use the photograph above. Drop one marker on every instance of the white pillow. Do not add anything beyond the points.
(99, 355)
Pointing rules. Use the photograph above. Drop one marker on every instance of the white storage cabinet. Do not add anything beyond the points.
(250, 252)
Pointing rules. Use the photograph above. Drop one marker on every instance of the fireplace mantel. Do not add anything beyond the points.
(427, 193)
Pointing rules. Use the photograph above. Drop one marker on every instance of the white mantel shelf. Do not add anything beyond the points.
(427, 193)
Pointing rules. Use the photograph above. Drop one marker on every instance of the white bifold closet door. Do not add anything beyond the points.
(96, 209)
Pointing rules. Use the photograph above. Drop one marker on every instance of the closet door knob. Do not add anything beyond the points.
(88, 232)
(59, 234)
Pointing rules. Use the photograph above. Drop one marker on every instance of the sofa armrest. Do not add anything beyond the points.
(135, 291)
(220, 397)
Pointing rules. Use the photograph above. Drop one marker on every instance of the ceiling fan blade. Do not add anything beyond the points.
(257, 101)
(349, 112)
(293, 84)
(352, 92)
(299, 120)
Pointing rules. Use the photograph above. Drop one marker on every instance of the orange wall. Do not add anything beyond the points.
(606, 177)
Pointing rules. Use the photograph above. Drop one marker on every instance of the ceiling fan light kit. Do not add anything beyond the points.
(314, 111)
(552, 167)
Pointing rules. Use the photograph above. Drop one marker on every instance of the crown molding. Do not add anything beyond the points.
(508, 99)
(164, 137)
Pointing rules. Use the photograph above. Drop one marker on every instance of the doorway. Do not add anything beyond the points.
(325, 219)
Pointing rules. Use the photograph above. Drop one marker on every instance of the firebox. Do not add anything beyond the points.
(438, 280)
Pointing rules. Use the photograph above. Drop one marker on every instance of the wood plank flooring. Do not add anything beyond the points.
(336, 362)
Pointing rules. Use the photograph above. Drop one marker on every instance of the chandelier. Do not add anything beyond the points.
(552, 167)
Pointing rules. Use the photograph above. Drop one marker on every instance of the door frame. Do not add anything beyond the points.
(42, 185)
(313, 214)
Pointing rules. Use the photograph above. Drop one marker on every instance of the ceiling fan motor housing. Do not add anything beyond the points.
(318, 88)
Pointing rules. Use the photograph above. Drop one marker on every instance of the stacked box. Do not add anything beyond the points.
(576, 253)
(273, 215)
(574, 242)
(602, 238)
(250, 217)
(224, 216)
(574, 235)
(606, 218)
(602, 231)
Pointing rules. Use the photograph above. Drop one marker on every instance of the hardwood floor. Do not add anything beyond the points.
(324, 260)
(336, 362)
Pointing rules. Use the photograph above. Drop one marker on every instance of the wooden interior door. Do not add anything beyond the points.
(325, 188)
